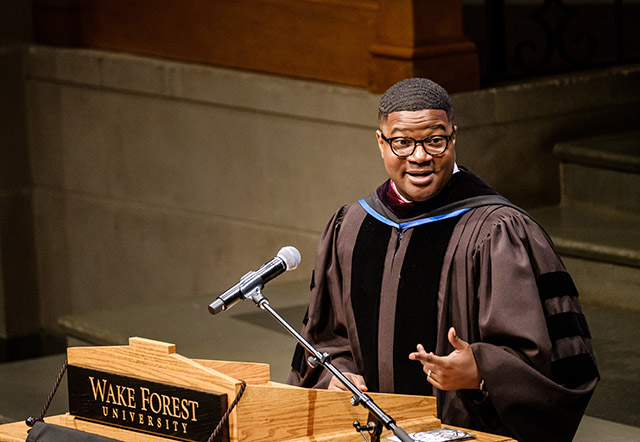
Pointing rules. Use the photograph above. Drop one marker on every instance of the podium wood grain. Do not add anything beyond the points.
(17, 432)
(268, 411)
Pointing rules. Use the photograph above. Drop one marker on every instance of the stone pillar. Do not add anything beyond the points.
(422, 38)
(19, 311)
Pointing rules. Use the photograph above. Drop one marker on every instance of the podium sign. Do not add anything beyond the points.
(147, 387)
(141, 405)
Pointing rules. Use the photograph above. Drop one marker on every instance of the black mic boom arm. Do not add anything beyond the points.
(323, 359)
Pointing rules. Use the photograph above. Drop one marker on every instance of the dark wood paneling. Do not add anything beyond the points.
(364, 43)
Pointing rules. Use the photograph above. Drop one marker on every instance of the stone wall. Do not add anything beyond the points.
(156, 180)
(507, 133)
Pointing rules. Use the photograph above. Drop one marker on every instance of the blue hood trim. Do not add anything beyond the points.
(409, 224)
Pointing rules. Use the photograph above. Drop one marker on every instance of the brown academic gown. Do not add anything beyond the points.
(495, 277)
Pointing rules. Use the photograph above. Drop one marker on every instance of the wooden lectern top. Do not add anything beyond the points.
(267, 411)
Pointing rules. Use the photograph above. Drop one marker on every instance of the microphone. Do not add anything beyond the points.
(287, 259)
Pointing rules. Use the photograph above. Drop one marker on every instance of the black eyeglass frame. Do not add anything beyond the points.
(416, 142)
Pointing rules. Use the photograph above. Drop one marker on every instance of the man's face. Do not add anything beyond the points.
(419, 176)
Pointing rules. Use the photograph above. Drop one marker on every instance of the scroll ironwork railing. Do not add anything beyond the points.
(521, 38)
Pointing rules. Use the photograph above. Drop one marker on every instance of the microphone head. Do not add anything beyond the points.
(290, 256)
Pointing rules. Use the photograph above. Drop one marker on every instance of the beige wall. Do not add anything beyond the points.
(508, 133)
(156, 180)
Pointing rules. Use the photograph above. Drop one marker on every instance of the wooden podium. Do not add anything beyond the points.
(267, 411)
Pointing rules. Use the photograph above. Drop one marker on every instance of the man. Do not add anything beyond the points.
(436, 285)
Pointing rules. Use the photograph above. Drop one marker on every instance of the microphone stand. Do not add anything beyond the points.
(377, 417)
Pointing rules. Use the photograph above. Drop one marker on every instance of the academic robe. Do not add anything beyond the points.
(471, 260)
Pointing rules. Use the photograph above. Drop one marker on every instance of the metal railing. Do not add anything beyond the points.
(518, 39)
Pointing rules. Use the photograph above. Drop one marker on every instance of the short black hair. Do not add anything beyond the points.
(415, 94)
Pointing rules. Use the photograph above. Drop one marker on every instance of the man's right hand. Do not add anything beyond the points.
(355, 379)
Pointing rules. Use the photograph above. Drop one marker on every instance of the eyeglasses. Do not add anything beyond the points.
(434, 145)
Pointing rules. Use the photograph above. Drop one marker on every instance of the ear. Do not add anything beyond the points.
(381, 143)
(453, 143)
